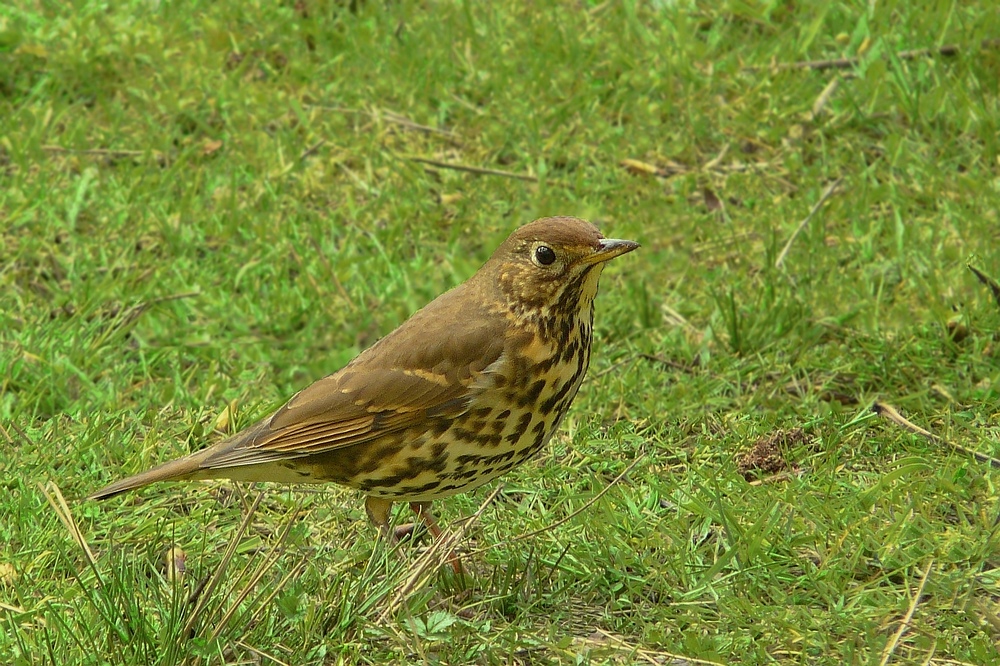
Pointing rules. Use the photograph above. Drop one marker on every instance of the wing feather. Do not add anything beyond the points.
(392, 386)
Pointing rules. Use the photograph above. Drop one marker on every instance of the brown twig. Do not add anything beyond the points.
(302, 157)
(822, 199)
(988, 281)
(614, 366)
(311, 150)
(174, 297)
(662, 360)
(846, 63)
(479, 171)
(889, 412)
(100, 152)
(129, 315)
(391, 117)
(6, 435)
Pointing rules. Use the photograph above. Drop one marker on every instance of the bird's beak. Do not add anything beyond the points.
(609, 249)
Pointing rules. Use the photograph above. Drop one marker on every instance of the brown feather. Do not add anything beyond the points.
(175, 470)
(425, 411)
(383, 390)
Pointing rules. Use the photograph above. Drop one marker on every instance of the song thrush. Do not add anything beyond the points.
(470, 386)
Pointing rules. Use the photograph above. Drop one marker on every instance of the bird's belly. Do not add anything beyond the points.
(500, 430)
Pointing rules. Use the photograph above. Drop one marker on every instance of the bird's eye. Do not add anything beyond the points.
(544, 255)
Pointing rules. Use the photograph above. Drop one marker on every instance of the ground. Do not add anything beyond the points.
(786, 448)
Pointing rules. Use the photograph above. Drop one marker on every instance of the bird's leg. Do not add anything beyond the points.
(378, 512)
(423, 511)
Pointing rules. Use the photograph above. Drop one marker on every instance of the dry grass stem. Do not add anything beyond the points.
(58, 504)
(570, 516)
(479, 171)
(889, 412)
(434, 557)
(905, 623)
(846, 63)
(97, 152)
(657, 657)
(827, 193)
(204, 592)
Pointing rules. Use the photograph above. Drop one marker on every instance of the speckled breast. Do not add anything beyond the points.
(504, 425)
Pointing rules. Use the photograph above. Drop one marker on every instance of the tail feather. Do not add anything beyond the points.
(175, 470)
(195, 466)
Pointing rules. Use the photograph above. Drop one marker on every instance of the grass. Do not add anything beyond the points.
(204, 207)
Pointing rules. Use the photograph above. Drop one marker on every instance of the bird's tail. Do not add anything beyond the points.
(175, 470)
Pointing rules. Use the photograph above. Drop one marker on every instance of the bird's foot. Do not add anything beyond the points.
(378, 511)
(423, 511)
(407, 531)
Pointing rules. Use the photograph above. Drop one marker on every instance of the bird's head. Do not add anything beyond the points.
(552, 265)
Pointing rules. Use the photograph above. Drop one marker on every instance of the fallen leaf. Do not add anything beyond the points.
(210, 147)
(174, 564)
(712, 201)
(225, 417)
(7, 574)
(639, 168)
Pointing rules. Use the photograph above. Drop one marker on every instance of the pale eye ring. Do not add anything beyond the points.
(544, 255)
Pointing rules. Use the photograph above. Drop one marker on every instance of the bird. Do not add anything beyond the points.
(469, 387)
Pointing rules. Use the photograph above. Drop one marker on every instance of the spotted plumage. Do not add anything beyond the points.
(469, 387)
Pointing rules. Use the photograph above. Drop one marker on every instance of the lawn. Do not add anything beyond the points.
(786, 450)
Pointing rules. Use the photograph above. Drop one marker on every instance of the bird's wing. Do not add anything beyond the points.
(398, 383)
